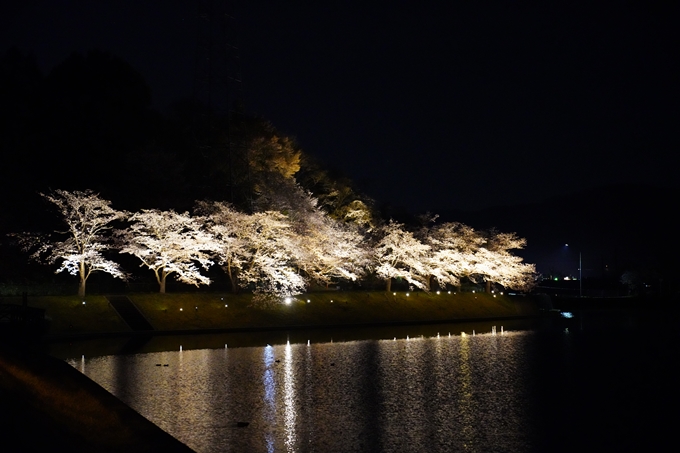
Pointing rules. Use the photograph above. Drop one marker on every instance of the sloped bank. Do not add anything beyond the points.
(206, 312)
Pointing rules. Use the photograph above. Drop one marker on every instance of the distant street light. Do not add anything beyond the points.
(580, 274)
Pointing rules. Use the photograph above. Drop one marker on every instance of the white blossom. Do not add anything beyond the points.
(231, 231)
(495, 264)
(458, 252)
(88, 218)
(170, 243)
(327, 249)
(270, 266)
(399, 254)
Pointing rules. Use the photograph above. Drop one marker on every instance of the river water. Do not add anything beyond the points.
(592, 382)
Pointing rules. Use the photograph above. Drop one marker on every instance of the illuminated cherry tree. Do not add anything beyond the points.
(399, 254)
(327, 249)
(322, 248)
(255, 250)
(170, 243)
(493, 262)
(231, 231)
(452, 248)
(459, 252)
(268, 264)
(88, 219)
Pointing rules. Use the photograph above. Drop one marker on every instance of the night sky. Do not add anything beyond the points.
(426, 107)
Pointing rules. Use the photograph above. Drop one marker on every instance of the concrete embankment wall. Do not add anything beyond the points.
(47, 405)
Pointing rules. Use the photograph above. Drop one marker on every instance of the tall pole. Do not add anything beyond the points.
(580, 276)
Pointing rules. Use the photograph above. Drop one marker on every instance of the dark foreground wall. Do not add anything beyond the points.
(47, 405)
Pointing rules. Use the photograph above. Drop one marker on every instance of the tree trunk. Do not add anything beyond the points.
(388, 287)
(162, 282)
(81, 288)
(233, 278)
(83, 279)
(488, 287)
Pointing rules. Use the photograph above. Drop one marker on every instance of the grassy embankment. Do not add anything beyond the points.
(171, 312)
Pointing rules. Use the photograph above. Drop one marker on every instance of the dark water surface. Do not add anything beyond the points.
(597, 382)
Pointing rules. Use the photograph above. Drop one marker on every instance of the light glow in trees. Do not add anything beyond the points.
(280, 251)
(278, 255)
(399, 254)
(170, 243)
(269, 266)
(495, 264)
(255, 250)
(327, 250)
(88, 218)
(231, 231)
(452, 248)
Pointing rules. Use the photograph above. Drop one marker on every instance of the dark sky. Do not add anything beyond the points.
(425, 106)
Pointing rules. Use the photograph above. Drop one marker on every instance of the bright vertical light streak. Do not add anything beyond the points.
(466, 400)
(269, 396)
(290, 414)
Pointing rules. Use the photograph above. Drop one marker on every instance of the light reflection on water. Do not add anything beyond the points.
(422, 394)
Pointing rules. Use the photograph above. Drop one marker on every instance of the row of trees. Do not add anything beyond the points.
(273, 252)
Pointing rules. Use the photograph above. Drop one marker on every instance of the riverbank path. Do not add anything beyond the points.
(129, 312)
